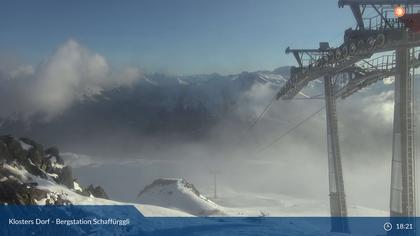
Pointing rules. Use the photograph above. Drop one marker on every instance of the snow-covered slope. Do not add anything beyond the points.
(55, 191)
(163, 226)
(285, 206)
(178, 194)
(31, 175)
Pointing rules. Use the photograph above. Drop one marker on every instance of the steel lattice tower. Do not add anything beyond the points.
(403, 199)
(380, 33)
(338, 205)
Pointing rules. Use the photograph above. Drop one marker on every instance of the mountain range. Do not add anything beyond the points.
(157, 107)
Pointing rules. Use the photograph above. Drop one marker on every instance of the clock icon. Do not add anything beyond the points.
(387, 226)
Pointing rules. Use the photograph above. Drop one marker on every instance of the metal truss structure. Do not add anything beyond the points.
(348, 68)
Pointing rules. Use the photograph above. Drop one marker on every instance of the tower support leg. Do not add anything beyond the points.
(403, 197)
(338, 206)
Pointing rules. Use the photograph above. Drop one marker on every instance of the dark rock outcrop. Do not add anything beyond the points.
(53, 152)
(97, 191)
(35, 152)
(4, 152)
(14, 192)
(25, 155)
(14, 148)
(23, 161)
(66, 177)
(34, 169)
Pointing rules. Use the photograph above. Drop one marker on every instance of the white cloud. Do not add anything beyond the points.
(255, 100)
(72, 73)
(80, 160)
(21, 71)
(380, 107)
(128, 76)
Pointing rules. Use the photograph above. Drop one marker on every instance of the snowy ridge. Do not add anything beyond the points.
(178, 194)
(274, 79)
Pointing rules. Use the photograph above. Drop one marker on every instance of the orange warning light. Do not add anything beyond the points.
(399, 11)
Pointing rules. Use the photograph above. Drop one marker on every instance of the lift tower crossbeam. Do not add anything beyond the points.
(368, 72)
(381, 32)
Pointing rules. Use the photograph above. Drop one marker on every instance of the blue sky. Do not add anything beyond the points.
(173, 36)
